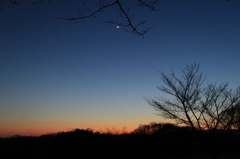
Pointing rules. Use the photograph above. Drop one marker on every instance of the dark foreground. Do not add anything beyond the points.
(88, 144)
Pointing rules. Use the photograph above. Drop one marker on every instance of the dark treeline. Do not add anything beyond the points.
(154, 140)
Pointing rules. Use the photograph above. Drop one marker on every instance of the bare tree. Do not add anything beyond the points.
(202, 107)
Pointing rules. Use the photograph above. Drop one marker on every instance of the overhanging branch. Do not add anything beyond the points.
(128, 25)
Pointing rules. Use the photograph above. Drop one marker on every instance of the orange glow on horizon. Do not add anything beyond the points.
(36, 125)
(34, 131)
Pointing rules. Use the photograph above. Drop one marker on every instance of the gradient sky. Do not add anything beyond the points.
(59, 75)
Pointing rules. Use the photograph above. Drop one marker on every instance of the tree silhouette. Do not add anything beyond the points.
(210, 107)
(231, 118)
(195, 105)
(156, 128)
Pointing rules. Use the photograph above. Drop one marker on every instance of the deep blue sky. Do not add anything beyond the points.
(57, 75)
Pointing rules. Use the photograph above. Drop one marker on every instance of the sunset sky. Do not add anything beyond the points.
(58, 75)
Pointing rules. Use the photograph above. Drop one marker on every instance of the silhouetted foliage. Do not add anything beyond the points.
(156, 128)
(168, 140)
(114, 131)
(232, 117)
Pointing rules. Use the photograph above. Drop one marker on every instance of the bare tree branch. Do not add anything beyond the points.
(36, 2)
(15, 1)
(124, 14)
(149, 4)
(92, 13)
(127, 23)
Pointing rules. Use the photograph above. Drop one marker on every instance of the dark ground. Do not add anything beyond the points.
(87, 144)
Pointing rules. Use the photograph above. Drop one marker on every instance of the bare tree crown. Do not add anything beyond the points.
(194, 104)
